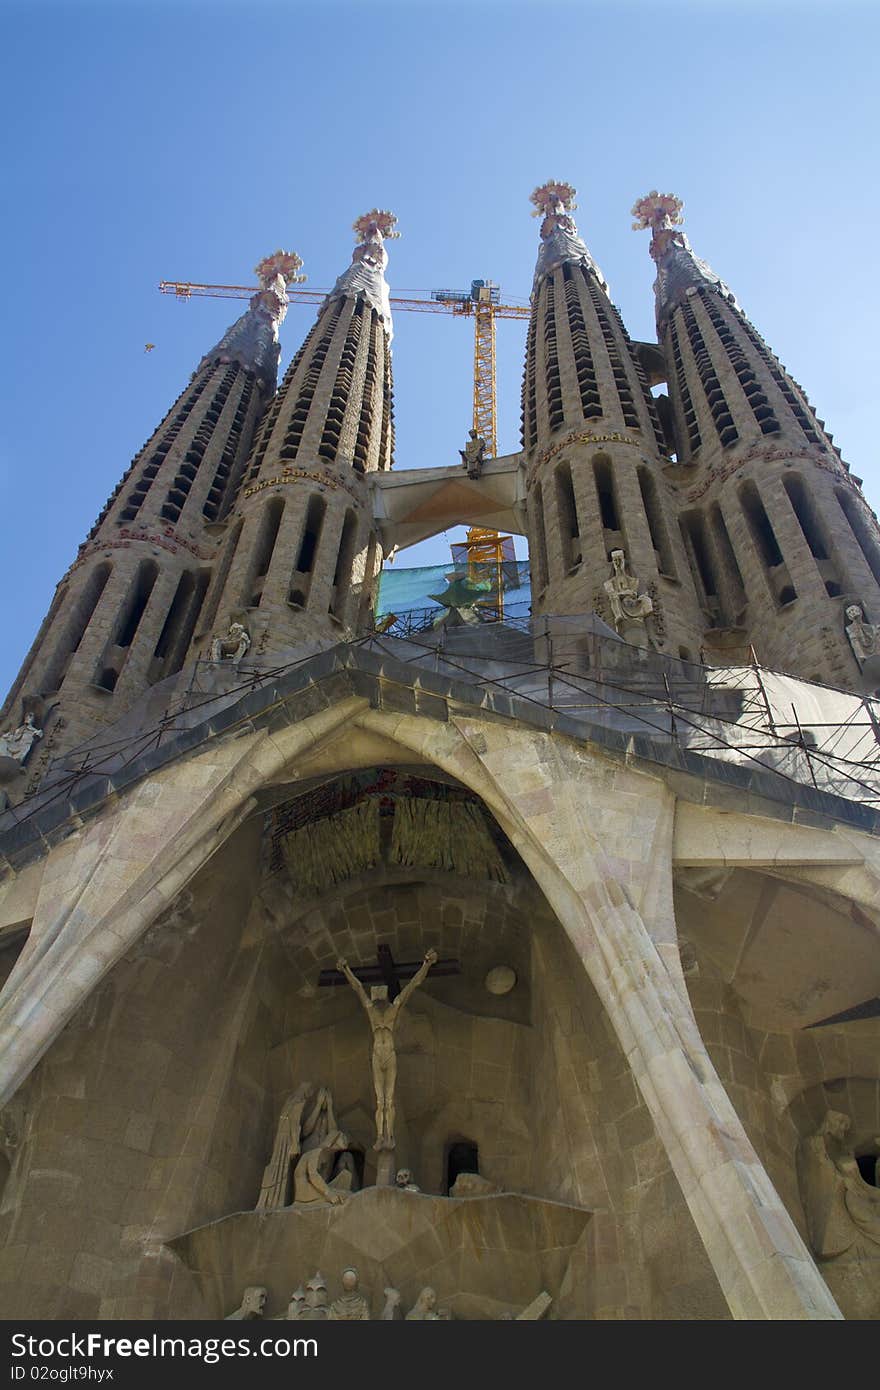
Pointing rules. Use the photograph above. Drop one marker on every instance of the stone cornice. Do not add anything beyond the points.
(166, 539)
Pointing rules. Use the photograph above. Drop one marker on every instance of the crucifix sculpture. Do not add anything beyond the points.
(388, 971)
(383, 1015)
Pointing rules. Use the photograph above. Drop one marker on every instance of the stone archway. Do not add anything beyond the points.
(597, 838)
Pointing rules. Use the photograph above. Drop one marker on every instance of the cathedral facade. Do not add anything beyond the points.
(514, 969)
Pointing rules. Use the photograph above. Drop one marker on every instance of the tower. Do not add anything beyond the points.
(301, 558)
(594, 448)
(779, 538)
(125, 612)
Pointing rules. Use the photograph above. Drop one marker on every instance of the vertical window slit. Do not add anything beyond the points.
(344, 562)
(83, 607)
(566, 508)
(604, 476)
(656, 522)
(270, 521)
(862, 529)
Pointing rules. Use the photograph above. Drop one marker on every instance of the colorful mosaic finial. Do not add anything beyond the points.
(253, 339)
(366, 274)
(378, 221)
(679, 270)
(660, 211)
(560, 243)
(283, 263)
(548, 197)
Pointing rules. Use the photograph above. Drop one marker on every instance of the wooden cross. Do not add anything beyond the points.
(386, 971)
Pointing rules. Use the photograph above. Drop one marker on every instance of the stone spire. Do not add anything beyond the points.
(252, 341)
(595, 450)
(125, 612)
(302, 555)
(366, 274)
(780, 542)
(580, 363)
(560, 241)
(679, 269)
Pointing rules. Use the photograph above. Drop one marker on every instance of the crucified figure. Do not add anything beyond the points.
(383, 1016)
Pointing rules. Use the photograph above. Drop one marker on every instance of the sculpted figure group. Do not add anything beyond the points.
(311, 1303)
(311, 1161)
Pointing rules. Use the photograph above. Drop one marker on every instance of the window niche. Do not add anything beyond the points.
(462, 1156)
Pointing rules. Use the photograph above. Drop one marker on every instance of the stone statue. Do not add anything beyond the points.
(351, 1305)
(843, 1216)
(627, 604)
(300, 1126)
(864, 637)
(310, 1175)
(17, 743)
(253, 1301)
(404, 1180)
(473, 455)
(425, 1309)
(391, 1311)
(314, 1306)
(233, 646)
(383, 1017)
(296, 1304)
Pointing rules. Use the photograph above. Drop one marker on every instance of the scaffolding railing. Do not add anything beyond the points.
(807, 734)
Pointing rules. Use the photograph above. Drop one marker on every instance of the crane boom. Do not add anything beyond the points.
(188, 289)
(480, 301)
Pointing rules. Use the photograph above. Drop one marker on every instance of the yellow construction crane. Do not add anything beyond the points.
(482, 302)
(482, 557)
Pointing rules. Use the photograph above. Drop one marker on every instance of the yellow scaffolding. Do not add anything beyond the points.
(484, 554)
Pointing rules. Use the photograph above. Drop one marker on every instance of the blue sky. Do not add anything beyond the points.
(186, 140)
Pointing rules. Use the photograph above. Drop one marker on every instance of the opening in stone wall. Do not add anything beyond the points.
(461, 1157)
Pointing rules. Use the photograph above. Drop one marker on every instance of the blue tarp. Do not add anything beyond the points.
(401, 590)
